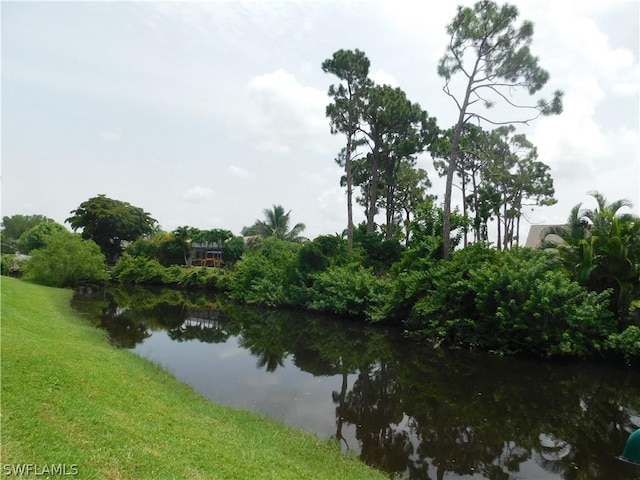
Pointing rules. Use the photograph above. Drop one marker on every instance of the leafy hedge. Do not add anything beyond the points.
(350, 290)
(514, 301)
(321, 275)
(261, 276)
(148, 271)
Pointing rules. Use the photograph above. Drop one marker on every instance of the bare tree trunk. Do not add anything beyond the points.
(349, 175)
(373, 192)
(464, 205)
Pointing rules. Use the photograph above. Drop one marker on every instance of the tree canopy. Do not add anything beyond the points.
(345, 112)
(492, 54)
(38, 236)
(110, 222)
(14, 226)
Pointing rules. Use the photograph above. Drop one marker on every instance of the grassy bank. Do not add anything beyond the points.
(68, 397)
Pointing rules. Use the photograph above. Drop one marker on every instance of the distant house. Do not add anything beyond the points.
(537, 234)
(206, 253)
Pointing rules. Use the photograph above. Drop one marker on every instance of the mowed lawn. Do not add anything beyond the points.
(70, 398)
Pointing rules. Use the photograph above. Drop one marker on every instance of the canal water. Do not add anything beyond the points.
(409, 410)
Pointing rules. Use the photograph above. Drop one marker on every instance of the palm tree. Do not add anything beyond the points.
(275, 224)
(185, 236)
(601, 249)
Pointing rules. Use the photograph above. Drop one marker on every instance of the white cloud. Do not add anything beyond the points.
(286, 115)
(198, 194)
(384, 78)
(240, 172)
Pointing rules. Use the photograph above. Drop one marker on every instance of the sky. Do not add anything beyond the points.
(206, 113)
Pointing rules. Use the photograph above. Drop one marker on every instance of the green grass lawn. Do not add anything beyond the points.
(68, 397)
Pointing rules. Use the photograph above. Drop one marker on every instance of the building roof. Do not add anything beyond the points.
(537, 235)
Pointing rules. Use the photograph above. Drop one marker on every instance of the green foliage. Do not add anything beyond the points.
(601, 250)
(426, 229)
(163, 246)
(511, 302)
(66, 260)
(109, 222)
(38, 236)
(13, 265)
(626, 343)
(419, 274)
(492, 54)
(379, 252)
(323, 251)
(261, 275)
(232, 250)
(350, 290)
(314, 257)
(14, 226)
(139, 270)
(499, 52)
(345, 112)
(148, 271)
(275, 224)
(5, 264)
(396, 131)
(209, 278)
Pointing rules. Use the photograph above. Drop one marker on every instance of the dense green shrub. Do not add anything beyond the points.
(349, 290)
(380, 253)
(139, 270)
(422, 281)
(232, 250)
(513, 301)
(148, 271)
(626, 343)
(209, 278)
(262, 275)
(526, 305)
(7, 261)
(323, 251)
(37, 236)
(66, 260)
(163, 247)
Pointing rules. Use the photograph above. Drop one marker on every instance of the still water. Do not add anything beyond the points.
(406, 409)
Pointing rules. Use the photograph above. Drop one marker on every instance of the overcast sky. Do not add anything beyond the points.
(204, 114)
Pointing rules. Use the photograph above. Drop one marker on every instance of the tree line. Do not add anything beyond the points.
(499, 170)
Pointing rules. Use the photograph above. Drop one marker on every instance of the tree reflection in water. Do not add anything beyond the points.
(416, 412)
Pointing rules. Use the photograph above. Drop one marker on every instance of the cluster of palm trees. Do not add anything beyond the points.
(601, 249)
(187, 236)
